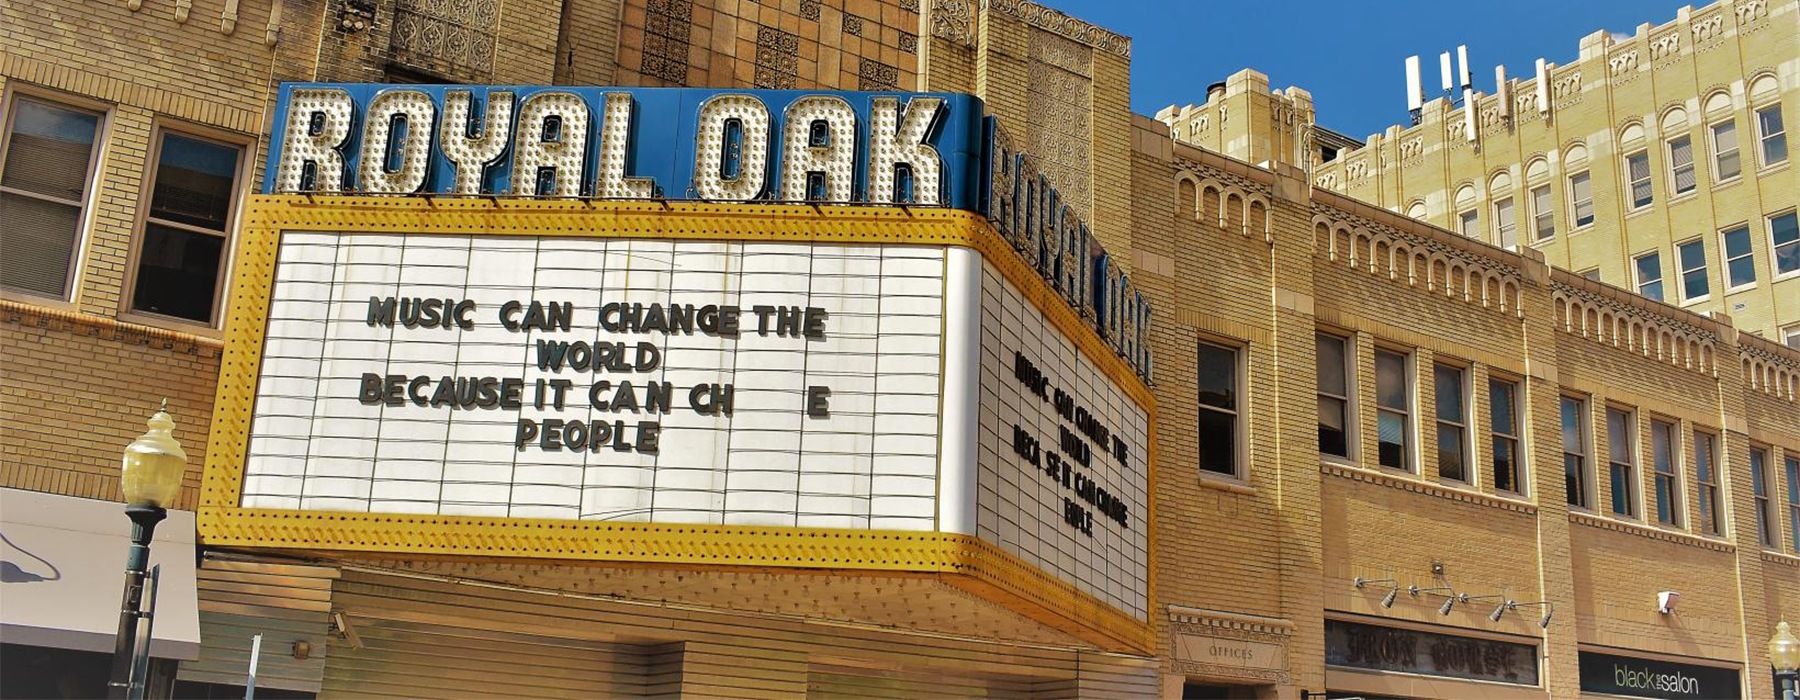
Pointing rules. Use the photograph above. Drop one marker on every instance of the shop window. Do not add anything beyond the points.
(1543, 213)
(1637, 180)
(1726, 165)
(1759, 490)
(1334, 394)
(1504, 227)
(1771, 135)
(1667, 484)
(1452, 422)
(1740, 260)
(1706, 479)
(44, 181)
(1621, 437)
(1575, 451)
(180, 263)
(1503, 418)
(1218, 382)
(1581, 198)
(1681, 166)
(1649, 275)
(1691, 256)
(1784, 243)
(1393, 403)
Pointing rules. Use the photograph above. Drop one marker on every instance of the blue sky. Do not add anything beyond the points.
(1349, 55)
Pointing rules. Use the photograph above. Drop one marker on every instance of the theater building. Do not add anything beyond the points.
(843, 349)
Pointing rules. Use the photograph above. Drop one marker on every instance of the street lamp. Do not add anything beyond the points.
(1784, 655)
(149, 479)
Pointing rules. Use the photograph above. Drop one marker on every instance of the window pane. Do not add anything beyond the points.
(1451, 453)
(1784, 236)
(1622, 490)
(1774, 136)
(1218, 442)
(1725, 148)
(1332, 437)
(1649, 275)
(1506, 465)
(178, 273)
(1681, 156)
(1502, 396)
(1541, 209)
(1737, 242)
(38, 243)
(1583, 195)
(1217, 376)
(1390, 380)
(1618, 435)
(1571, 426)
(1391, 432)
(194, 181)
(1503, 223)
(49, 150)
(1449, 381)
(1468, 224)
(1574, 485)
(1331, 365)
(1693, 269)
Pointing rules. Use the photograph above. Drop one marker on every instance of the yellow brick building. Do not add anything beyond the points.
(1360, 419)
(1657, 162)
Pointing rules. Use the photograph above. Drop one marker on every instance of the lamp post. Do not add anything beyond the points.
(149, 479)
(1784, 655)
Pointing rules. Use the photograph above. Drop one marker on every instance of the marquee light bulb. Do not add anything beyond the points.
(560, 153)
(379, 125)
(896, 139)
(471, 146)
(752, 161)
(835, 161)
(615, 142)
(318, 123)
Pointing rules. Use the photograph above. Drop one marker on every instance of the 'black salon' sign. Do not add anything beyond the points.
(1647, 678)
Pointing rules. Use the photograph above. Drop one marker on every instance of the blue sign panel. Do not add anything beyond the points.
(622, 143)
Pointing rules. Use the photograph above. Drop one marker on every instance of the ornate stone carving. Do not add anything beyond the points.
(1665, 46)
(1622, 64)
(909, 42)
(1751, 10)
(1412, 148)
(666, 26)
(953, 20)
(1566, 86)
(448, 37)
(875, 75)
(1708, 29)
(910, 6)
(809, 9)
(1058, 97)
(853, 24)
(777, 59)
(1058, 23)
(1356, 170)
(1327, 181)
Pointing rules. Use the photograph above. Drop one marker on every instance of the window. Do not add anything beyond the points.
(1334, 395)
(179, 270)
(1692, 258)
(1681, 165)
(1466, 224)
(1452, 423)
(1637, 178)
(44, 184)
(1503, 224)
(1706, 477)
(1503, 416)
(1771, 135)
(1725, 151)
(1218, 378)
(1621, 460)
(1668, 488)
(1784, 242)
(1740, 261)
(1581, 198)
(1592, 273)
(1575, 450)
(1792, 467)
(1393, 394)
(1790, 336)
(1543, 213)
(1759, 488)
(1649, 275)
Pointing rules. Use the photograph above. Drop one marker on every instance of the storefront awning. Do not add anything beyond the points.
(62, 572)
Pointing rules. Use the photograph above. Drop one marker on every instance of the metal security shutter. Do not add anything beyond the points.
(286, 604)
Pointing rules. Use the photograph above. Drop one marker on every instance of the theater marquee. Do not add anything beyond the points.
(569, 374)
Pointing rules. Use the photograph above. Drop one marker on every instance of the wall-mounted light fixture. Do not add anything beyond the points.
(1543, 623)
(1666, 600)
(1466, 598)
(1387, 601)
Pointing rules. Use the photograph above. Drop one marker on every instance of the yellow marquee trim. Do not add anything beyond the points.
(967, 562)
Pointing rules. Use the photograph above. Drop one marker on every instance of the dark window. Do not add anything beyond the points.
(1706, 479)
(1759, 488)
(1217, 378)
(1668, 488)
(1334, 395)
(1452, 423)
(1503, 415)
(1637, 173)
(1621, 461)
(1393, 391)
(43, 190)
(180, 264)
(1575, 450)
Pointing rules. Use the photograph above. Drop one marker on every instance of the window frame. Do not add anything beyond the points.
(1468, 223)
(1583, 495)
(1545, 220)
(1762, 481)
(1790, 335)
(1506, 223)
(1726, 258)
(1708, 508)
(16, 92)
(142, 219)
(1681, 271)
(1790, 466)
(1648, 181)
(1672, 476)
(1576, 202)
(1463, 429)
(1762, 138)
(1637, 274)
(1775, 249)
(1349, 396)
(1238, 350)
(1410, 442)
(1633, 508)
(1718, 155)
(1675, 167)
(1516, 438)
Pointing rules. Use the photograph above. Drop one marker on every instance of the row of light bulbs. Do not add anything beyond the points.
(1451, 598)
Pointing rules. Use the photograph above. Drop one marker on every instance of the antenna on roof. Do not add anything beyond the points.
(1468, 89)
(1543, 88)
(1462, 62)
(1503, 90)
(1444, 67)
(1415, 92)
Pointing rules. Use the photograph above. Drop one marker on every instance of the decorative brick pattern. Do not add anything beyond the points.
(777, 59)
(853, 25)
(667, 24)
(875, 75)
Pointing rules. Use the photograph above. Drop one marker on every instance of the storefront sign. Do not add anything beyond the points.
(1649, 678)
(1356, 645)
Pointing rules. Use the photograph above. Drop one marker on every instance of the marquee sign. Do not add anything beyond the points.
(751, 146)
